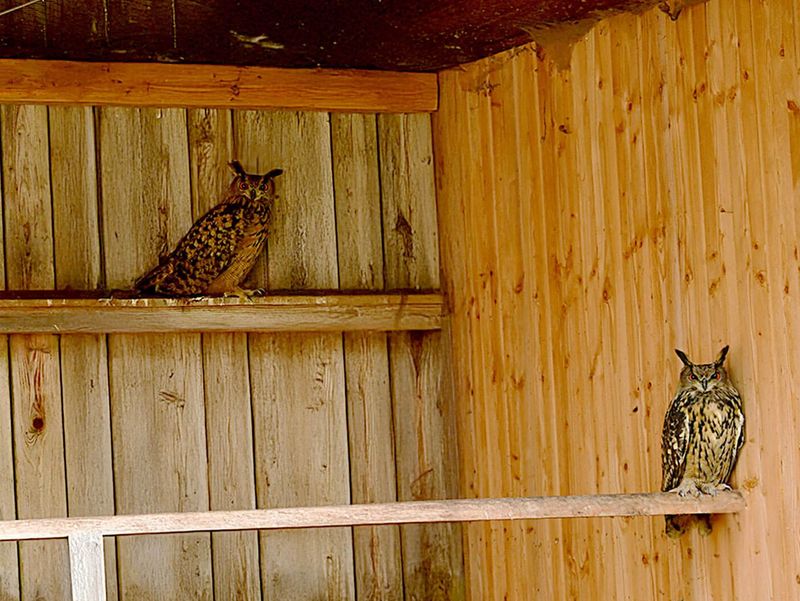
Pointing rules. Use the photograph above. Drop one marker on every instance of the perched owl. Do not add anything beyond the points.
(220, 249)
(703, 433)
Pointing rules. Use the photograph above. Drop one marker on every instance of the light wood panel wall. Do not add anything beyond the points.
(189, 422)
(591, 220)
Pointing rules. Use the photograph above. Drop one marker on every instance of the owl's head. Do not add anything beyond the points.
(254, 187)
(703, 376)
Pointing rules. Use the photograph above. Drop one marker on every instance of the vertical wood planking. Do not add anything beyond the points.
(9, 561)
(84, 370)
(425, 449)
(664, 215)
(9, 564)
(35, 375)
(158, 421)
(226, 382)
(297, 381)
(378, 561)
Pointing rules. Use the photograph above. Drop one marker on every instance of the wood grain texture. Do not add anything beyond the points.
(156, 385)
(378, 560)
(34, 360)
(278, 313)
(405, 512)
(84, 368)
(425, 442)
(212, 86)
(226, 382)
(9, 560)
(298, 392)
(593, 219)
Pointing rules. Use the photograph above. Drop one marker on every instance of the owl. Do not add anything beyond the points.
(703, 433)
(220, 249)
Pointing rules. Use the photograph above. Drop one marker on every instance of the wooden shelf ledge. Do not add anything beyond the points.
(409, 512)
(284, 313)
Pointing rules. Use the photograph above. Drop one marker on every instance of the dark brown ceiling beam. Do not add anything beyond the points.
(402, 35)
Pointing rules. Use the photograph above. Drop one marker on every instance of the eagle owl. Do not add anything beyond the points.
(220, 249)
(703, 433)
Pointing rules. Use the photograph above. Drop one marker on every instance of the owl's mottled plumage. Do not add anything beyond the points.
(703, 433)
(220, 249)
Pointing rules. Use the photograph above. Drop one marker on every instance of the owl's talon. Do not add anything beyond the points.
(687, 487)
(244, 295)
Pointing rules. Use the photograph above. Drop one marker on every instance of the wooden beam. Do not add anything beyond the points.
(212, 86)
(409, 512)
(290, 313)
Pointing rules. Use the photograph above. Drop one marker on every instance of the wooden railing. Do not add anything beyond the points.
(85, 534)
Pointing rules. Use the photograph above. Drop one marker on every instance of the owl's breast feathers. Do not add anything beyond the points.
(226, 240)
(703, 433)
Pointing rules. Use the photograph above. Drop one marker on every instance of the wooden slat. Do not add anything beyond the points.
(207, 86)
(300, 422)
(407, 512)
(425, 441)
(9, 563)
(9, 560)
(378, 560)
(226, 380)
(157, 403)
(84, 368)
(34, 360)
(301, 313)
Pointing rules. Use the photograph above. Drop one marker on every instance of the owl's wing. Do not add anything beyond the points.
(674, 443)
(201, 255)
(738, 425)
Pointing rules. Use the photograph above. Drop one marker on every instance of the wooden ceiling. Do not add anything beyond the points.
(405, 35)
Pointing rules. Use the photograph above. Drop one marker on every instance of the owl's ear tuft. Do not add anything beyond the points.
(683, 357)
(237, 168)
(721, 357)
(274, 173)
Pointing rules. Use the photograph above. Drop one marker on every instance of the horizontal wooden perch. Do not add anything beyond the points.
(85, 535)
(212, 86)
(284, 313)
(459, 510)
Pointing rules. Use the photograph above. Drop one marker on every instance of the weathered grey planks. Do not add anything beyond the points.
(378, 557)
(156, 382)
(229, 420)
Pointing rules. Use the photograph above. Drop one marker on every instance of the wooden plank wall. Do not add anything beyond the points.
(592, 219)
(186, 422)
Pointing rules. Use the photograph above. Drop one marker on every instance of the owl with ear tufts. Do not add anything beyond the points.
(222, 246)
(703, 433)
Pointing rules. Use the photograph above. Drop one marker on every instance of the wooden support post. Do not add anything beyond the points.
(87, 566)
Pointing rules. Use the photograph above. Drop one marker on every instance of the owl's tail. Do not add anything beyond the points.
(678, 524)
(150, 281)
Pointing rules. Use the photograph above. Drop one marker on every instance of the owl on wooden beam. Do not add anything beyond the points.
(702, 436)
(220, 249)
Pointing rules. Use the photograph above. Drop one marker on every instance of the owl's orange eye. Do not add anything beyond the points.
(262, 187)
(692, 377)
(243, 185)
(717, 376)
